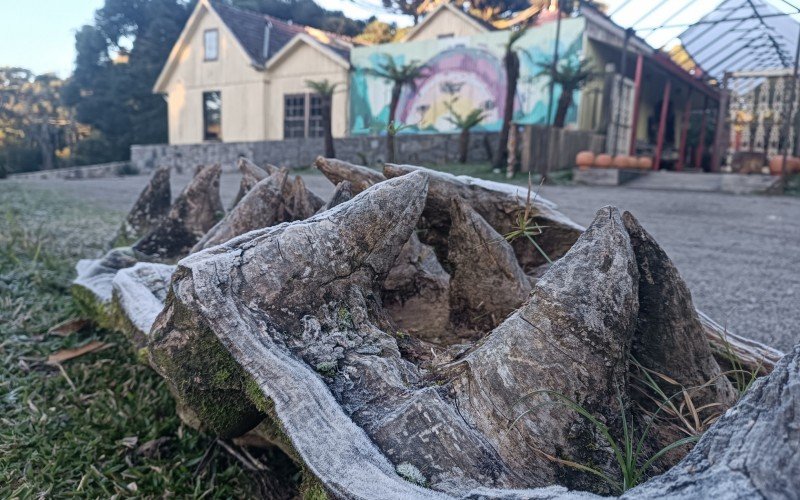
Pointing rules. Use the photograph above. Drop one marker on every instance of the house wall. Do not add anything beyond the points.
(289, 75)
(427, 150)
(444, 22)
(466, 73)
(241, 86)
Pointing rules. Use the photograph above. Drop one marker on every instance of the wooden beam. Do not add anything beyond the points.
(687, 109)
(637, 93)
(698, 157)
(662, 125)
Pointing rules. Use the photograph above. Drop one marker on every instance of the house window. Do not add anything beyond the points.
(211, 45)
(445, 35)
(212, 116)
(302, 116)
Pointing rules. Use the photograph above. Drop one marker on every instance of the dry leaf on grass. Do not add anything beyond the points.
(68, 327)
(67, 354)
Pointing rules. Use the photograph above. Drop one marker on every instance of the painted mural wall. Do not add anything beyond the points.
(462, 74)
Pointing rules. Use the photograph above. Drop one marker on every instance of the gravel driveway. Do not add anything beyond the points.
(739, 254)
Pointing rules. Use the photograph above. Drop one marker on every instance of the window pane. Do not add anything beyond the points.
(212, 116)
(315, 117)
(211, 45)
(294, 116)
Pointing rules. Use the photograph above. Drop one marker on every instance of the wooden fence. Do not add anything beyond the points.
(545, 149)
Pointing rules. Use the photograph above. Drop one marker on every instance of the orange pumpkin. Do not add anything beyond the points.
(602, 161)
(584, 159)
(644, 163)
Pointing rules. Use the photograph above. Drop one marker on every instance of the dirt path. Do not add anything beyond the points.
(739, 254)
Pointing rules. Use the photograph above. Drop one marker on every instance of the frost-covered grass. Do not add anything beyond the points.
(105, 426)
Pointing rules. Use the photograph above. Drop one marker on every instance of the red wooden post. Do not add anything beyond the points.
(662, 125)
(698, 158)
(637, 92)
(687, 109)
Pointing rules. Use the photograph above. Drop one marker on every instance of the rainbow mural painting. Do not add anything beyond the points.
(467, 73)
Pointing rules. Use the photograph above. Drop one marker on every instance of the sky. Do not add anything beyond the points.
(40, 34)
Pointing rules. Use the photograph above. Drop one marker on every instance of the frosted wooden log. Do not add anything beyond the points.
(337, 171)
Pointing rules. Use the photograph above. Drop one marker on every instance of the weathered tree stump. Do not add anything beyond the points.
(312, 337)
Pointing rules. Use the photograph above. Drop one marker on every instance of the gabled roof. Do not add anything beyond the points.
(477, 23)
(249, 29)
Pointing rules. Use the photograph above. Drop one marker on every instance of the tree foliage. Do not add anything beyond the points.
(401, 75)
(380, 32)
(36, 130)
(570, 74)
(118, 60)
(305, 12)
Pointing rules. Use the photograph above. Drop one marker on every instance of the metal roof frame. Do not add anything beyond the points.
(734, 36)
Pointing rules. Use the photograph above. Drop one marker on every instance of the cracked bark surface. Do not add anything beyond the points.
(359, 177)
(195, 211)
(150, 207)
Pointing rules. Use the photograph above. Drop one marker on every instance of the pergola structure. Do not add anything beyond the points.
(735, 45)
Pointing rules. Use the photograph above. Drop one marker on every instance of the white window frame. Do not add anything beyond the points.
(211, 45)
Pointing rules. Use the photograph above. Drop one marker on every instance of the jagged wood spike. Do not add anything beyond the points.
(301, 202)
(252, 174)
(501, 205)
(261, 207)
(193, 213)
(150, 207)
(487, 282)
(337, 171)
(571, 337)
(670, 338)
(342, 193)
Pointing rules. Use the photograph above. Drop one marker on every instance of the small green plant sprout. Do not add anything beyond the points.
(679, 410)
(629, 452)
(394, 128)
(526, 226)
(739, 375)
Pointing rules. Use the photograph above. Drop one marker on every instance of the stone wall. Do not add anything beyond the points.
(421, 149)
(114, 169)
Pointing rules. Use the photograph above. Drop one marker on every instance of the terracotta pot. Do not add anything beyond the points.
(644, 163)
(776, 165)
(622, 161)
(584, 159)
(602, 161)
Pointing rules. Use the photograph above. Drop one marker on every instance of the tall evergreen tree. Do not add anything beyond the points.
(118, 60)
